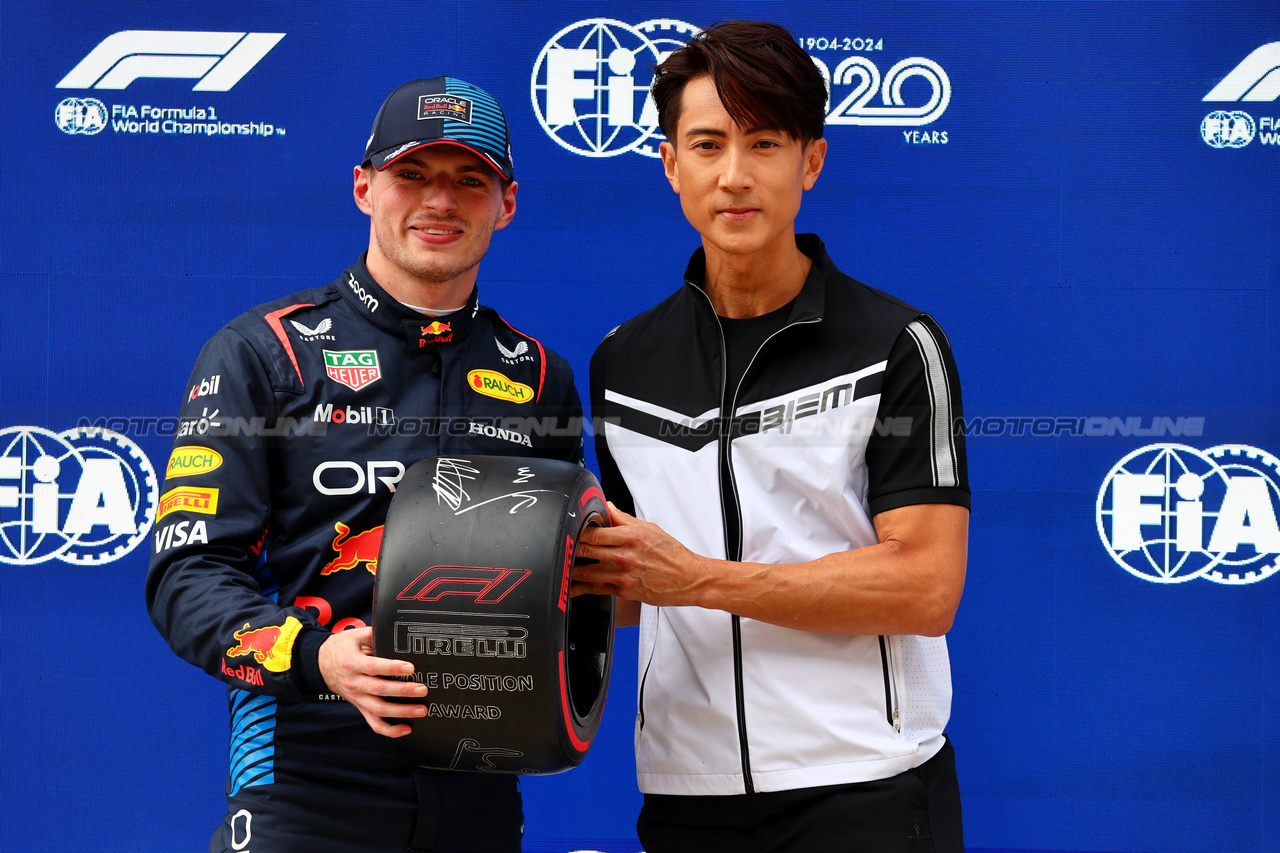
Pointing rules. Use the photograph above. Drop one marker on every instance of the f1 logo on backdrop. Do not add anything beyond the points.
(217, 61)
(590, 85)
(85, 496)
(1169, 513)
(1255, 80)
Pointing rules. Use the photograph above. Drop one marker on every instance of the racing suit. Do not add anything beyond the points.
(300, 418)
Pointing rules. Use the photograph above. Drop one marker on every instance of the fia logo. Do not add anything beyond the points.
(590, 85)
(86, 496)
(216, 60)
(1168, 513)
(80, 116)
(1228, 129)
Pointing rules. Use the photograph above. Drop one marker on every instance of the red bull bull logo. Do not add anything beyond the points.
(435, 333)
(272, 646)
(354, 550)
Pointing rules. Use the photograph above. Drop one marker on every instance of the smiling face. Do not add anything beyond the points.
(432, 214)
(739, 187)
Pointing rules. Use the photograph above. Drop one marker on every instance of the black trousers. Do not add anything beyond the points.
(448, 813)
(914, 812)
(336, 787)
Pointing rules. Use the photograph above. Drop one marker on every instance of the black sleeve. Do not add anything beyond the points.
(615, 488)
(915, 455)
(207, 589)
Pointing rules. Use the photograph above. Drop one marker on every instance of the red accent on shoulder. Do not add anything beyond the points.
(273, 320)
(542, 357)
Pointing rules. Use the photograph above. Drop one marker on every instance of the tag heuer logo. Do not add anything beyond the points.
(353, 368)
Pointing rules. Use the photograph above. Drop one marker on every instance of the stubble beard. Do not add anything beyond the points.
(434, 269)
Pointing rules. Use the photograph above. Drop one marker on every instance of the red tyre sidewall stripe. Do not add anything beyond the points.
(578, 743)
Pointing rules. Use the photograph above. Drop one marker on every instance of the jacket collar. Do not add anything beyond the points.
(812, 297)
(419, 331)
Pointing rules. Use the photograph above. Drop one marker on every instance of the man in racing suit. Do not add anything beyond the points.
(301, 416)
(782, 434)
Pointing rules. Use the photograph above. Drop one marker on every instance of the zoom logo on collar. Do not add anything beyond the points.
(368, 299)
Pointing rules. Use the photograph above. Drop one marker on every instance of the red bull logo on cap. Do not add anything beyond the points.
(444, 106)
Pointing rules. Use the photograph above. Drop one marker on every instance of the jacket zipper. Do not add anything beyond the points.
(890, 684)
(644, 679)
(733, 550)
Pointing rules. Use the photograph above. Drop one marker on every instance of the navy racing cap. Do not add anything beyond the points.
(440, 111)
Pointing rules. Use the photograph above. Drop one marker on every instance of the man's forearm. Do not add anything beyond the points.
(908, 583)
(887, 588)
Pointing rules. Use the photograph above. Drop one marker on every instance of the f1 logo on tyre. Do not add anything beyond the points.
(486, 586)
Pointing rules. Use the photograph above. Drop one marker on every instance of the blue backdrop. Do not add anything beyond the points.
(1085, 195)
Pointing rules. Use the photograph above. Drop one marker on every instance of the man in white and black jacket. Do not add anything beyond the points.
(790, 500)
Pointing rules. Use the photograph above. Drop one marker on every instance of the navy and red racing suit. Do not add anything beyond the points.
(300, 417)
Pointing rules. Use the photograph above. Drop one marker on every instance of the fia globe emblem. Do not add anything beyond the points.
(1228, 129)
(84, 116)
(1169, 513)
(590, 84)
(85, 496)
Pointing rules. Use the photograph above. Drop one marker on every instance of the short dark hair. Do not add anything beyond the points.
(763, 77)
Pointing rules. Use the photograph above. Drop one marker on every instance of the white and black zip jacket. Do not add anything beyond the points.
(845, 412)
